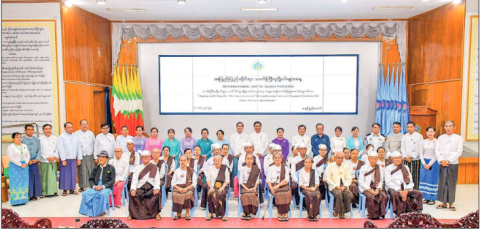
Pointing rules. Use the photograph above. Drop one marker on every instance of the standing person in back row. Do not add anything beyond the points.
(87, 141)
(320, 138)
(448, 149)
(33, 145)
(260, 144)
(394, 140)
(303, 138)
(104, 141)
(122, 139)
(70, 151)
(375, 138)
(411, 143)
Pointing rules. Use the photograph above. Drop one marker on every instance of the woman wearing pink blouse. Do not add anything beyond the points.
(154, 142)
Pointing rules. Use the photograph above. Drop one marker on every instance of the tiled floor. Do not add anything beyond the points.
(58, 208)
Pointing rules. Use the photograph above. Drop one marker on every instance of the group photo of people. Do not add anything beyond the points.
(373, 174)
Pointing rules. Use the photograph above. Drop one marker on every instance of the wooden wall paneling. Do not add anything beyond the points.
(85, 102)
(435, 62)
(468, 170)
(87, 46)
(99, 111)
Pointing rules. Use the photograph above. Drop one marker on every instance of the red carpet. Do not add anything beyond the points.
(231, 223)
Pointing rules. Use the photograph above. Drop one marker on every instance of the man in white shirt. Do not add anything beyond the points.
(145, 181)
(133, 159)
(87, 141)
(297, 164)
(410, 147)
(399, 185)
(260, 143)
(104, 141)
(303, 138)
(237, 140)
(448, 149)
(339, 178)
(268, 160)
(122, 139)
(121, 172)
(370, 184)
(48, 162)
(375, 138)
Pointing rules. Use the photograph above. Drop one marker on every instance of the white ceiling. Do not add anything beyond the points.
(198, 10)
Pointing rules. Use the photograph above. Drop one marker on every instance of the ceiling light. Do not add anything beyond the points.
(101, 2)
(392, 7)
(262, 1)
(125, 10)
(426, 0)
(68, 3)
(457, 1)
(258, 9)
(181, 1)
(343, 0)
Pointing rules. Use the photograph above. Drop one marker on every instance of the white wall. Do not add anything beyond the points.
(471, 9)
(38, 11)
(369, 57)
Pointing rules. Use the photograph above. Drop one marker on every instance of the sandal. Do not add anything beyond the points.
(188, 217)
(431, 202)
(158, 217)
(424, 201)
(249, 217)
(73, 192)
(315, 219)
(176, 217)
(441, 207)
(224, 218)
(64, 194)
(452, 208)
(209, 218)
(285, 218)
(280, 218)
(129, 217)
(310, 219)
(243, 217)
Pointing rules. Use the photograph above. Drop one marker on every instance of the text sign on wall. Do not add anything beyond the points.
(261, 84)
(29, 74)
(472, 97)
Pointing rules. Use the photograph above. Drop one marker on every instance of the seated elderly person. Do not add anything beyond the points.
(145, 201)
(95, 199)
(370, 184)
(308, 182)
(218, 178)
(277, 179)
(184, 182)
(339, 178)
(399, 184)
(250, 179)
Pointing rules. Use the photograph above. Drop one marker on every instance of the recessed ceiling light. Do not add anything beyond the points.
(68, 3)
(258, 9)
(181, 1)
(392, 7)
(262, 1)
(101, 2)
(125, 10)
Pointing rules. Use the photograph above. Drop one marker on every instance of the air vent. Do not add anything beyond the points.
(125, 10)
(392, 7)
